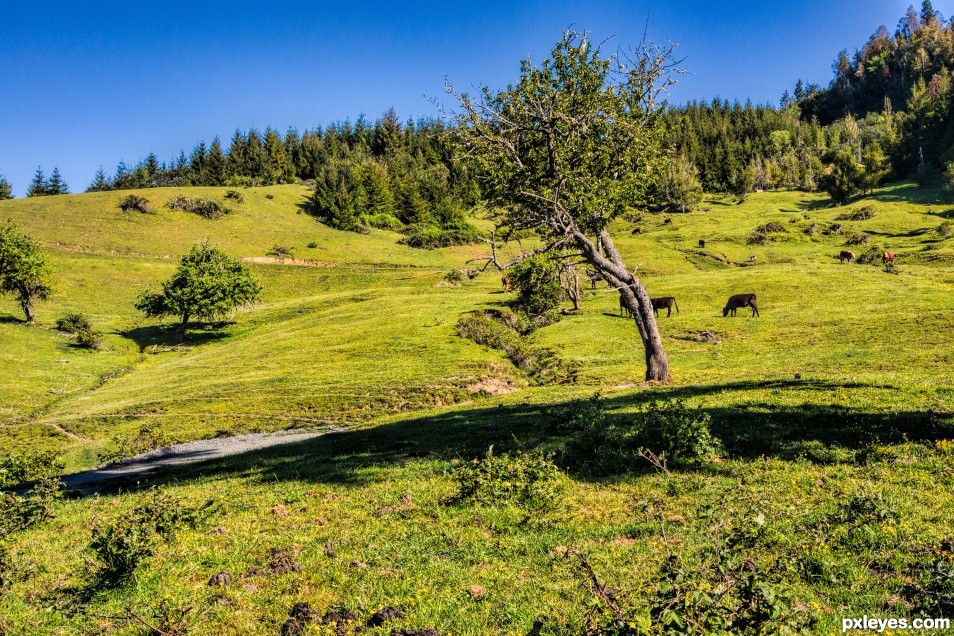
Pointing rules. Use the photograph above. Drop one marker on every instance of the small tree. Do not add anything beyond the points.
(39, 186)
(679, 187)
(24, 272)
(743, 182)
(842, 178)
(572, 144)
(208, 284)
(56, 184)
(100, 182)
(6, 190)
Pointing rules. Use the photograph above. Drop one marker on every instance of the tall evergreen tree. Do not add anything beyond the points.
(6, 190)
(39, 186)
(100, 182)
(56, 184)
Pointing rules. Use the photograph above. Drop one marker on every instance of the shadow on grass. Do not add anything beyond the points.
(749, 431)
(11, 319)
(167, 336)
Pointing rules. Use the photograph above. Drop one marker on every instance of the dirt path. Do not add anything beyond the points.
(133, 468)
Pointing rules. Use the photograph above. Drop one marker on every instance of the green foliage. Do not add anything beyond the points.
(151, 436)
(861, 214)
(73, 323)
(136, 203)
(841, 180)
(537, 282)
(526, 479)
(24, 272)
(21, 511)
(235, 195)
(682, 433)
(679, 187)
(429, 236)
(207, 208)
(39, 186)
(208, 284)
(120, 547)
(6, 190)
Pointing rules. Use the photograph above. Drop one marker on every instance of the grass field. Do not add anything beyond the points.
(833, 410)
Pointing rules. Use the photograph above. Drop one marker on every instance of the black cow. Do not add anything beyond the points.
(667, 303)
(739, 301)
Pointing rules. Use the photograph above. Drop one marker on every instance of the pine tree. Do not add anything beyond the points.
(56, 184)
(100, 182)
(39, 185)
(6, 190)
(216, 164)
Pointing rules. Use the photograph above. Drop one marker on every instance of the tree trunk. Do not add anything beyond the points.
(180, 332)
(635, 297)
(27, 307)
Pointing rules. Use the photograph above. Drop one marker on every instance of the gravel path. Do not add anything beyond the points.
(131, 468)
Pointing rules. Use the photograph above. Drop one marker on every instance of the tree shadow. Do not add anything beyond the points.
(168, 335)
(944, 214)
(11, 319)
(749, 431)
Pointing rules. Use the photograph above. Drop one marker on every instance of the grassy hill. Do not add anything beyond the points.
(829, 407)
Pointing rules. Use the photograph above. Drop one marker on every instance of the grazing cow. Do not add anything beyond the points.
(667, 221)
(702, 243)
(623, 308)
(752, 258)
(888, 257)
(637, 230)
(593, 276)
(667, 303)
(505, 281)
(737, 302)
(846, 255)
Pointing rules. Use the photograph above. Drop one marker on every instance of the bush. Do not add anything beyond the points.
(454, 276)
(73, 323)
(269, 196)
(312, 245)
(428, 236)
(770, 227)
(862, 214)
(681, 433)
(22, 467)
(281, 251)
(206, 208)
(20, 511)
(235, 195)
(150, 437)
(121, 546)
(136, 203)
(537, 282)
(528, 480)
(870, 256)
(89, 339)
(858, 239)
(945, 230)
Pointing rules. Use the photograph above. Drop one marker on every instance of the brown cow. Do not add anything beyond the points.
(667, 303)
(888, 257)
(738, 301)
(505, 281)
(846, 255)
(702, 243)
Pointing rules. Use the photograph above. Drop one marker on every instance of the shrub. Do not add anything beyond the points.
(73, 323)
(136, 203)
(21, 467)
(269, 196)
(945, 230)
(428, 236)
(121, 546)
(537, 282)
(312, 245)
(680, 432)
(20, 511)
(858, 239)
(862, 214)
(454, 276)
(206, 208)
(150, 437)
(770, 227)
(281, 251)
(235, 195)
(529, 480)
(870, 256)
(89, 339)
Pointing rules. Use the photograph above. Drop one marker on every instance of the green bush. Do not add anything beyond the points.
(427, 236)
(20, 511)
(205, 208)
(537, 282)
(528, 480)
(862, 214)
(73, 323)
(945, 230)
(680, 432)
(21, 467)
(235, 195)
(281, 251)
(120, 547)
(89, 339)
(136, 203)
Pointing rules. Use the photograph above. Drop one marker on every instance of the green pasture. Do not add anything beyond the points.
(846, 380)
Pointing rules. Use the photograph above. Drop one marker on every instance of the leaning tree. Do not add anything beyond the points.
(24, 272)
(207, 284)
(572, 144)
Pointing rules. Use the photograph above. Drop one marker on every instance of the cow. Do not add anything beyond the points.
(624, 308)
(702, 243)
(752, 259)
(667, 303)
(846, 256)
(667, 221)
(637, 230)
(737, 302)
(505, 281)
(888, 257)
(593, 276)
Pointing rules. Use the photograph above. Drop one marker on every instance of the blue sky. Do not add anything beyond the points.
(92, 83)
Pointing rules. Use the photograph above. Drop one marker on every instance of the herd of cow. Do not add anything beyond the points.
(735, 302)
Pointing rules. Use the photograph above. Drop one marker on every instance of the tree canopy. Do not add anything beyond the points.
(208, 284)
(24, 272)
(573, 143)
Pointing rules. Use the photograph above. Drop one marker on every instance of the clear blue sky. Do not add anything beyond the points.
(86, 84)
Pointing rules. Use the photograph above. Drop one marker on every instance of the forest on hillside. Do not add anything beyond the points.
(885, 115)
